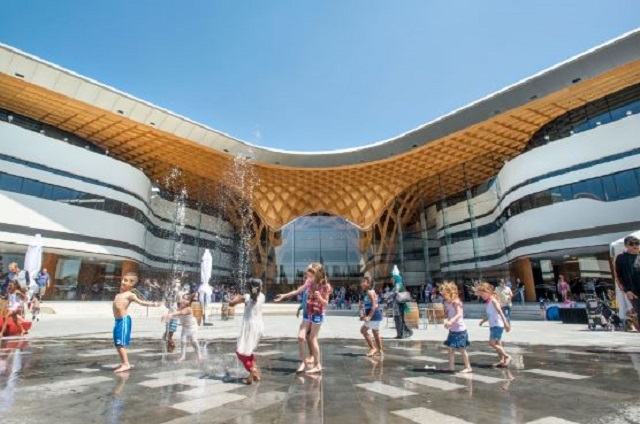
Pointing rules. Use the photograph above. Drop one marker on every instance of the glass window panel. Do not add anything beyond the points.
(556, 195)
(32, 187)
(11, 183)
(126, 210)
(333, 244)
(61, 194)
(332, 235)
(109, 205)
(626, 184)
(542, 199)
(609, 186)
(566, 191)
(47, 191)
(307, 244)
(588, 189)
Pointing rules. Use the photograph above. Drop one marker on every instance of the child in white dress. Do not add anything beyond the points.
(252, 328)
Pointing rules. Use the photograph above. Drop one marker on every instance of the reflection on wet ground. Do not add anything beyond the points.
(70, 381)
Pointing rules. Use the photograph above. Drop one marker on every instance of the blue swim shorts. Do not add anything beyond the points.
(316, 319)
(122, 331)
(496, 333)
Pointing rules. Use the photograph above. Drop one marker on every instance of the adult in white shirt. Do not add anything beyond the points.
(505, 296)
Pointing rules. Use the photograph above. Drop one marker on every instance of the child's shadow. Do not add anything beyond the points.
(352, 355)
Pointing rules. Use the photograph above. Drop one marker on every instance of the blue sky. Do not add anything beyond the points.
(311, 75)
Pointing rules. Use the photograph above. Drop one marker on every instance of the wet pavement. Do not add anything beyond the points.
(67, 380)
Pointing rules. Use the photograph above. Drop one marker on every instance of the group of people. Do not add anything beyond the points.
(179, 310)
(18, 292)
(315, 293)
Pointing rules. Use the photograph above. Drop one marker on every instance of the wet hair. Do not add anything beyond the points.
(320, 275)
(449, 291)
(255, 288)
(369, 281)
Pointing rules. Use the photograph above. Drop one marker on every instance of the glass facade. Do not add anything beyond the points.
(593, 114)
(330, 240)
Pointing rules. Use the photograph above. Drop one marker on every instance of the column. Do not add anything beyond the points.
(50, 262)
(472, 219)
(524, 272)
(424, 233)
(400, 242)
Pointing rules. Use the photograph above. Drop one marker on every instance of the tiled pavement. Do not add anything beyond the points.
(70, 381)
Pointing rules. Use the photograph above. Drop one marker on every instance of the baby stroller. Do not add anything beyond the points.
(599, 313)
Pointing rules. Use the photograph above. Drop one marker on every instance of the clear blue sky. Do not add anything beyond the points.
(311, 75)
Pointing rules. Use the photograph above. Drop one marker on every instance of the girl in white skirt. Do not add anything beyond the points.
(252, 328)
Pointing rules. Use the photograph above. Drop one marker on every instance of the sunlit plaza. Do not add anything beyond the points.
(115, 206)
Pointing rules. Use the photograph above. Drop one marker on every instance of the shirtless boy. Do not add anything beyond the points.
(122, 327)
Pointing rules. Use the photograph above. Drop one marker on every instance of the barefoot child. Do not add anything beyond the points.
(372, 318)
(458, 339)
(15, 298)
(172, 325)
(497, 322)
(122, 327)
(35, 308)
(252, 328)
(189, 328)
(318, 291)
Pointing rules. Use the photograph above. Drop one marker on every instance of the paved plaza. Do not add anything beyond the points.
(593, 377)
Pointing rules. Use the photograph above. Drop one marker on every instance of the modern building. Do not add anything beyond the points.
(529, 182)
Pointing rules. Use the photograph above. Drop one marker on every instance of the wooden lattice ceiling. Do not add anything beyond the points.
(359, 193)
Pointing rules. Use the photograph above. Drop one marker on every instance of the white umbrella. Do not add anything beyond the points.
(33, 260)
(204, 292)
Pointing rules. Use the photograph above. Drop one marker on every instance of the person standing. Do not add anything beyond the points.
(252, 328)
(371, 318)
(42, 279)
(520, 291)
(505, 296)
(189, 329)
(628, 272)
(19, 275)
(563, 288)
(498, 323)
(458, 339)
(318, 291)
(122, 326)
(399, 308)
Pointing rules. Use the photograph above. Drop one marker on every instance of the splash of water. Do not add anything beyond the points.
(173, 181)
(236, 200)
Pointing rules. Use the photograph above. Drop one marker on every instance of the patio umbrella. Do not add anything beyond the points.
(204, 292)
(33, 260)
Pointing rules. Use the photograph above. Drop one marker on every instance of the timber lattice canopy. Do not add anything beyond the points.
(359, 192)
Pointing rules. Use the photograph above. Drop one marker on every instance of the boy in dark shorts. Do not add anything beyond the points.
(122, 327)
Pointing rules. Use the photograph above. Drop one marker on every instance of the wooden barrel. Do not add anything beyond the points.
(439, 311)
(196, 307)
(412, 318)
